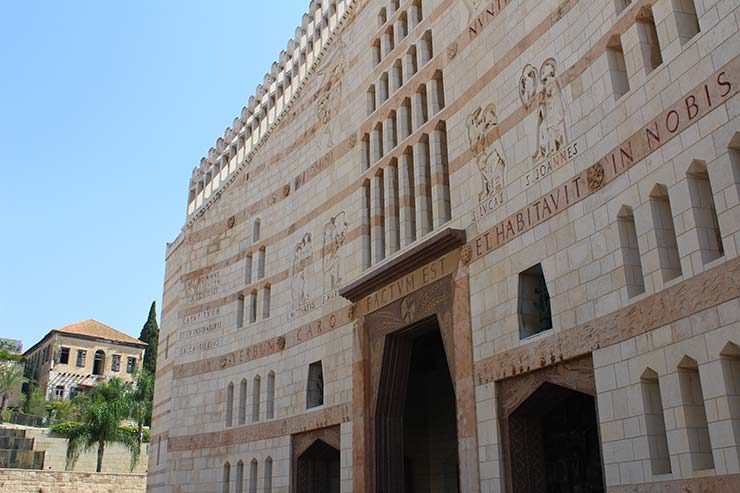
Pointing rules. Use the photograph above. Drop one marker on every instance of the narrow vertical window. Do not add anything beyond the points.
(665, 233)
(633, 275)
(371, 100)
(267, 482)
(365, 222)
(377, 221)
(730, 363)
(256, 231)
(256, 396)
(648, 36)
(408, 202)
(621, 5)
(535, 315)
(167, 347)
(687, 22)
(242, 412)
(226, 482)
(270, 397)
(266, 295)
(705, 212)
(364, 153)
(229, 404)
(694, 415)
(655, 423)
(240, 477)
(617, 67)
(315, 385)
(248, 269)
(253, 476)
(392, 210)
(253, 307)
(261, 263)
(427, 48)
(240, 312)
(159, 448)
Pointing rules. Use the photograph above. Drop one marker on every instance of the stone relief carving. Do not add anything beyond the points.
(542, 88)
(328, 98)
(334, 233)
(301, 264)
(472, 6)
(489, 156)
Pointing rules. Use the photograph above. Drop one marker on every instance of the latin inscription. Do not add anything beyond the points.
(553, 162)
(203, 287)
(685, 112)
(491, 10)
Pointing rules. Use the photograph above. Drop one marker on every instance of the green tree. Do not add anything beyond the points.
(141, 403)
(102, 417)
(150, 335)
(35, 401)
(11, 377)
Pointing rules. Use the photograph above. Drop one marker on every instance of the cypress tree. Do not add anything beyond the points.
(150, 335)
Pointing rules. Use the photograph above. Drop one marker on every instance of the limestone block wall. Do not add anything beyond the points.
(22, 481)
(115, 460)
(598, 140)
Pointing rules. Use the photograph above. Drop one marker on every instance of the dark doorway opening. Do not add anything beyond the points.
(416, 421)
(318, 469)
(554, 443)
(99, 363)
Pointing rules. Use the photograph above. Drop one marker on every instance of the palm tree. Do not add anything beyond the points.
(101, 421)
(11, 376)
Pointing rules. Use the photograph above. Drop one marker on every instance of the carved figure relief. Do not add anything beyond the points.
(488, 156)
(472, 6)
(334, 233)
(301, 263)
(542, 88)
(329, 95)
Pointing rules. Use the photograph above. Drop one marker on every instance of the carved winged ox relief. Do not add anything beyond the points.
(301, 264)
(542, 88)
(489, 156)
(328, 96)
(334, 233)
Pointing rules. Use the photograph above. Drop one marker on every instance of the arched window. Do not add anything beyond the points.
(243, 401)
(266, 295)
(705, 212)
(229, 404)
(655, 423)
(248, 269)
(694, 415)
(665, 233)
(648, 36)
(253, 476)
(687, 22)
(617, 66)
(240, 477)
(256, 396)
(267, 482)
(270, 397)
(253, 306)
(633, 275)
(226, 482)
(99, 362)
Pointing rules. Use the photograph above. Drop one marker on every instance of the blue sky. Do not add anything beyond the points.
(105, 108)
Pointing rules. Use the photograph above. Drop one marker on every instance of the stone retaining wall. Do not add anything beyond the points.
(23, 481)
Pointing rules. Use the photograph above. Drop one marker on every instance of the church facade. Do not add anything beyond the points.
(465, 246)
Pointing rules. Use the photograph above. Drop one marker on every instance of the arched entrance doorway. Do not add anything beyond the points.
(318, 469)
(416, 419)
(554, 443)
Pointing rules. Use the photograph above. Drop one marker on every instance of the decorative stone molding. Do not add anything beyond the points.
(452, 50)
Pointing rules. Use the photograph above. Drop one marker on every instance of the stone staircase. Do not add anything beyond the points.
(16, 451)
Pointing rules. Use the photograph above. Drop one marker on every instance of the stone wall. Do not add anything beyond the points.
(21, 481)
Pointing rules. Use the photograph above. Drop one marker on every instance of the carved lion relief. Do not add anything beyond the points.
(489, 156)
(542, 88)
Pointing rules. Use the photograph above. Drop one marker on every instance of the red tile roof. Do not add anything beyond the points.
(93, 328)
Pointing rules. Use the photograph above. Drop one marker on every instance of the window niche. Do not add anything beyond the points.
(694, 415)
(652, 401)
(534, 311)
(315, 386)
(705, 212)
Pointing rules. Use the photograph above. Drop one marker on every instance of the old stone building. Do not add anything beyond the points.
(465, 245)
(76, 357)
